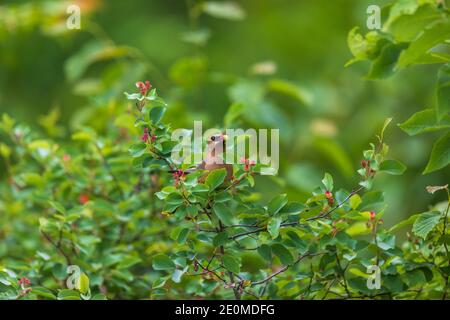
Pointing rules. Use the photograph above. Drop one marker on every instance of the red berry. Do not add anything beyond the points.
(66, 157)
(24, 281)
(145, 136)
(83, 198)
(372, 215)
(328, 194)
(143, 87)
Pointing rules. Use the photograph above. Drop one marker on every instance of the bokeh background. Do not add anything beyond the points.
(283, 60)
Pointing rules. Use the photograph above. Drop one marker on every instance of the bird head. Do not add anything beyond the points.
(217, 142)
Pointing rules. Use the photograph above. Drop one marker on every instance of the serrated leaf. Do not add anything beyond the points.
(425, 222)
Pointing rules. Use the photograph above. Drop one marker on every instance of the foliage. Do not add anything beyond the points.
(207, 237)
(415, 32)
(97, 192)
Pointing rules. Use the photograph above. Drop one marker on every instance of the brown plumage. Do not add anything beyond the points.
(213, 160)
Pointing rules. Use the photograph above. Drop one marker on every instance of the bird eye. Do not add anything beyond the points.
(213, 138)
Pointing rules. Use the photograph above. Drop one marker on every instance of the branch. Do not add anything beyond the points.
(285, 268)
(58, 247)
(290, 224)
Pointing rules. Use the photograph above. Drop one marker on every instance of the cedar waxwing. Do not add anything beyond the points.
(214, 159)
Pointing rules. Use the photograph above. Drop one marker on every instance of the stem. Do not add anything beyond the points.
(285, 268)
(58, 247)
(237, 293)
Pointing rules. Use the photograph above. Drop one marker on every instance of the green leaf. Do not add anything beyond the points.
(231, 263)
(66, 294)
(128, 261)
(183, 235)
(156, 114)
(220, 239)
(384, 65)
(57, 206)
(443, 92)
(223, 213)
(293, 208)
(440, 154)
(233, 113)
(406, 23)
(328, 182)
(274, 226)
(90, 53)
(162, 262)
(134, 96)
(277, 203)
(404, 223)
(335, 153)
(393, 283)
(364, 47)
(224, 10)
(138, 149)
(355, 201)
(393, 167)
(43, 292)
(424, 121)
(283, 254)
(265, 251)
(289, 89)
(426, 222)
(83, 283)
(215, 178)
(437, 33)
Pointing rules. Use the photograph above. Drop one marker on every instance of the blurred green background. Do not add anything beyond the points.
(283, 60)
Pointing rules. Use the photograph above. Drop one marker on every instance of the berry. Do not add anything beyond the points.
(372, 215)
(83, 198)
(24, 281)
(143, 87)
(328, 194)
(145, 136)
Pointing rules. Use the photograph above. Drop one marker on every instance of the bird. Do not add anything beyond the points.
(216, 144)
